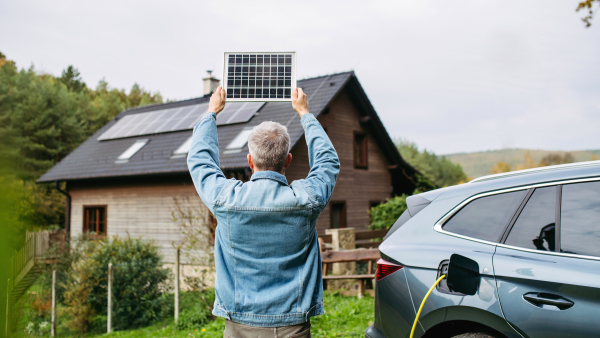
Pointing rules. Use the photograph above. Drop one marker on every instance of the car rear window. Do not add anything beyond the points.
(535, 227)
(580, 219)
(486, 217)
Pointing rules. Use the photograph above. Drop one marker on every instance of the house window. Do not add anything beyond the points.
(132, 150)
(360, 150)
(338, 215)
(94, 220)
(184, 149)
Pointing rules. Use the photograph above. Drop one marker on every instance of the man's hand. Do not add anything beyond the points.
(299, 101)
(217, 101)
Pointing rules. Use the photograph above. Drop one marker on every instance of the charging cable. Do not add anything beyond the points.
(412, 332)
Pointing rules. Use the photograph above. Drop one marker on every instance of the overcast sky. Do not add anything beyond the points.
(452, 76)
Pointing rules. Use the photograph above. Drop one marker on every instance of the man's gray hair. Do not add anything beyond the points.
(269, 144)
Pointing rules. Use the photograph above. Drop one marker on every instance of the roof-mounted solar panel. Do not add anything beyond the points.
(118, 127)
(259, 76)
(176, 119)
(160, 121)
(238, 112)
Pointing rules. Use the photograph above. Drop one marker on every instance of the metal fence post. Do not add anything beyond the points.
(109, 319)
(177, 285)
(53, 317)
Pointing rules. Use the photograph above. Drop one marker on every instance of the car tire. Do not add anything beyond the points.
(474, 335)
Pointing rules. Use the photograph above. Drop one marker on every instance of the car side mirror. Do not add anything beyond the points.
(463, 275)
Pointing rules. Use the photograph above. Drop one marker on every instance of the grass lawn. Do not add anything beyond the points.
(344, 317)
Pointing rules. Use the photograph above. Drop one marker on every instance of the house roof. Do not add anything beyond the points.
(96, 159)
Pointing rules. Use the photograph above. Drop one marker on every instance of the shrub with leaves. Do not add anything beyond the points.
(385, 215)
(197, 309)
(194, 318)
(77, 285)
(139, 281)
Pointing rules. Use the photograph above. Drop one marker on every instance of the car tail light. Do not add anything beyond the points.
(385, 268)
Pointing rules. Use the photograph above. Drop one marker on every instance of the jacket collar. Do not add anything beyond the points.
(269, 175)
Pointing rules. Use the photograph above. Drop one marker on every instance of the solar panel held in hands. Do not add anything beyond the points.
(259, 76)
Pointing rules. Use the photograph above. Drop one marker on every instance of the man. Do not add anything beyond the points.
(268, 265)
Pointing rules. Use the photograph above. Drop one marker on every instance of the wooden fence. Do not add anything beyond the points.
(22, 261)
(368, 239)
(363, 250)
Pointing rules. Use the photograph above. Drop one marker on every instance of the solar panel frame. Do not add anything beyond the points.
(277, 84)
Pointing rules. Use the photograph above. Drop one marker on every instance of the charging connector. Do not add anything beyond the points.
(412, 332)
(463, 279)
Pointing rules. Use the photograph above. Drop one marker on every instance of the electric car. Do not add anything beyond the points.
(535, 237)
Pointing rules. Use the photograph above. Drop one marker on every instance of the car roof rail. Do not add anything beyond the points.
(537, 170)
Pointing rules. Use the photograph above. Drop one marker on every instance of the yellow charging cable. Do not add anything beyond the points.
(412, 332)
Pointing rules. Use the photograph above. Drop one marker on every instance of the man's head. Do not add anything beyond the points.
(269, 146)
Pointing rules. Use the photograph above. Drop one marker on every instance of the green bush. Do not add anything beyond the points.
(139, 281)
(385, 215)
(197, 311)
(194, 318)
(76, 285)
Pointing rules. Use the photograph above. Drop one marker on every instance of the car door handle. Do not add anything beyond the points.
(541, 298)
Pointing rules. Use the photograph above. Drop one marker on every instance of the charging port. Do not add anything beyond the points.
(443, 284)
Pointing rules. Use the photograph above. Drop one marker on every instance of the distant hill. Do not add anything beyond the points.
(480, 163)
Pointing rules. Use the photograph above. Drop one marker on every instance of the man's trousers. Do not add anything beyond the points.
(237, 330)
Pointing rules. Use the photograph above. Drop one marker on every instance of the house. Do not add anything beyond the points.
(124, 180)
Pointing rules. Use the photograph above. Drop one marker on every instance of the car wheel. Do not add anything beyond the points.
(474, 335)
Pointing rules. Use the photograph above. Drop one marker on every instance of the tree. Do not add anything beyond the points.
(438, 169)
(501, 167)
(552, 158)
(72, 79)
(528, 162)
(587, 5)
(556, 158)
(43, 118)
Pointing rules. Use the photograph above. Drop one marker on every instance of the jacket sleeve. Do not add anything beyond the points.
(203, 161)
(323, 160)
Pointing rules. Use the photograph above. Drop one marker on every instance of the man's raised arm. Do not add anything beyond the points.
(203, 157)
(322, 157)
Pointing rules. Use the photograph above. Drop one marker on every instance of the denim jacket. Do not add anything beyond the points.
(267, 259)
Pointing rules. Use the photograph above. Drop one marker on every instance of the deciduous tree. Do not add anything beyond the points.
(587, 5)
(438, 169)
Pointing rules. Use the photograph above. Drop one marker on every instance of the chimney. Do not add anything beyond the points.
(210, 83)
